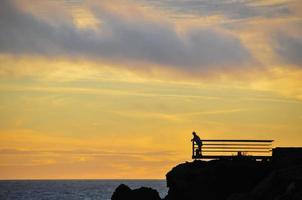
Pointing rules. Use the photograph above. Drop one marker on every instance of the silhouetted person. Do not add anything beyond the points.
(197, 141)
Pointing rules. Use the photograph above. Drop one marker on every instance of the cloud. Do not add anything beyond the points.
(232, 9)
(88, 152)
(289, 48)
(138, 39)
(85, 163)
(120, 40)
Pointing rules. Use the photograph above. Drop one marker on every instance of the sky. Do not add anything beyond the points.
(113, 89)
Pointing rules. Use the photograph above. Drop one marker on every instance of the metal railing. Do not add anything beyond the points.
(212, 149)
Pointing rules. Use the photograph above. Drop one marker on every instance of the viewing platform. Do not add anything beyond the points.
(217, 149)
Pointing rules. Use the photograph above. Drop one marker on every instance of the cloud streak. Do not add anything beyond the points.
(233, 9)
(85, 152)
(123, 41)
(289, 48)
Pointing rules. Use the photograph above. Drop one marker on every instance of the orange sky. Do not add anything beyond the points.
(113, 89)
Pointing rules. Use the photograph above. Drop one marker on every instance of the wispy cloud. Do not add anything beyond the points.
(129, 42)
(87, 152)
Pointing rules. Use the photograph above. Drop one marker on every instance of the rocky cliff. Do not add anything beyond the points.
(214, 180)
(240, 178)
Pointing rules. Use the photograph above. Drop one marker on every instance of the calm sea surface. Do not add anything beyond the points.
(71, 189)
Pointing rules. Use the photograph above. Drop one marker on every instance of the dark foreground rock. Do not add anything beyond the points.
(239, 178)
(123, 192)
(214, 180)
(281, 184)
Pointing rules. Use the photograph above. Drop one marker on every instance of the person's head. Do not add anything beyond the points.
(194, 133)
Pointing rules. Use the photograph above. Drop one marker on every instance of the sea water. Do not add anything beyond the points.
(70, 189)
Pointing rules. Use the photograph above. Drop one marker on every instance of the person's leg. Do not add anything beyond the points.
(199, 150)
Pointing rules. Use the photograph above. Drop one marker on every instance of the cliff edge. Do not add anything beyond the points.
(214, 180)
(239, 178)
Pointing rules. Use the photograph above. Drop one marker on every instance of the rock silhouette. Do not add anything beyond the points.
(282, 184)
(123, 192)
(214, 180)
(239, 178)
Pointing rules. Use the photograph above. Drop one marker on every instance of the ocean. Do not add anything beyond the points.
(70, 189)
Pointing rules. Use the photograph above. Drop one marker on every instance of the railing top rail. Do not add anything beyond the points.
(256, 141)
(239, 144)
(224, 147)
(252, 151)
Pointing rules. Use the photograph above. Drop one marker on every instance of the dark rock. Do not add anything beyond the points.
(284, 157)
(123, 192)
(284, 184)
(214, 180)
(238, 178)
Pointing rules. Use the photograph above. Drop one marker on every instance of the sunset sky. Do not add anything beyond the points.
(114, 88)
